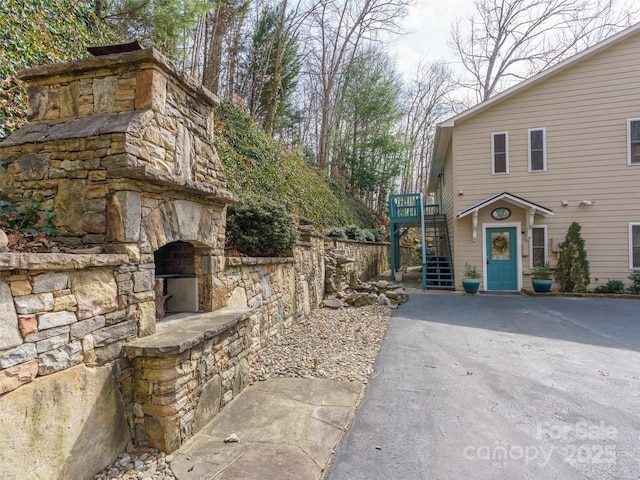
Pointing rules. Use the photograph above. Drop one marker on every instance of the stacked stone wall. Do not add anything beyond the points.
(176, 392)
(369, 259)
(62, 310)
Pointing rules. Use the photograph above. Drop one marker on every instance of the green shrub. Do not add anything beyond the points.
(471, 272)
(572, 271)
(377, 235)
(336, 233)
(612, 286)
(354, 232)
(368, 235)
(635, 286)
(260, 227)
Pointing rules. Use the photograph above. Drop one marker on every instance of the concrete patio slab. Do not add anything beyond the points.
(288, 428)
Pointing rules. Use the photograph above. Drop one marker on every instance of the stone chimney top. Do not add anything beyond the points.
(113, 83)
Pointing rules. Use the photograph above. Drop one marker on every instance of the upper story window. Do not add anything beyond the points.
(537, 150)
(634, 245)
(538, 246)
(633, 141)
(500, 152)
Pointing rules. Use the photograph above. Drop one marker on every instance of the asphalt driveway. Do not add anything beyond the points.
(501, 387)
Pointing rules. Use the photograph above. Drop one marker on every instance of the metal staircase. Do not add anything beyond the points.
(408, 210)
(439, 268)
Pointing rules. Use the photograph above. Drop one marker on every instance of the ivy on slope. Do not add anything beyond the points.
(39, 32)
(256, 163)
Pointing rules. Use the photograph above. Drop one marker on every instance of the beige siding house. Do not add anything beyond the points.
(513, 172)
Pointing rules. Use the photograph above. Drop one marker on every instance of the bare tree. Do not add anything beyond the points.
(508, 40)
(337, 30)
(426, 104)
(223, 21)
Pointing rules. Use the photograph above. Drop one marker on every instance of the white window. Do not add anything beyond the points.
(633, 141)
(634, 245)
(500, 152)
(537, 150)
(538, 246)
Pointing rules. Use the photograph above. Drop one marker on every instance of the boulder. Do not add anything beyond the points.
(332, 302)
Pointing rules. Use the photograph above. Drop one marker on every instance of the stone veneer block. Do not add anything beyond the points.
(20, 288)
(163, 432)
(13, 377)
(34, 166)
(49, 282)
(27, 325)
(60, 358)
(69, 206)
(80, 329)
(69, 100)
(124, 213)
(58, 261)
(9, 334)
(18, 355)
(96, 292)
(143, 280)
(116, 332)
(147, 318)
(36, 303)
(52, 343)
(38, 100)
(55, 319)
(63, 426)
(104, 94)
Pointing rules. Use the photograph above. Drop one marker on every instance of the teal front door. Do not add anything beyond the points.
(502, 264)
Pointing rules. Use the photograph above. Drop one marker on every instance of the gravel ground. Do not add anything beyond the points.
(336, 344)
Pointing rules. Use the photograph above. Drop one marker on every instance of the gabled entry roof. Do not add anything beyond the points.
(509, 198)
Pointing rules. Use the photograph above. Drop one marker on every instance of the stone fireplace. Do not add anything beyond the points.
(121, 148)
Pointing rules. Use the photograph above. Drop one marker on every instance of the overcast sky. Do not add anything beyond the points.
(430, 24)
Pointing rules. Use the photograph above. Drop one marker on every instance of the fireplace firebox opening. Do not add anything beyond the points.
(176, 278)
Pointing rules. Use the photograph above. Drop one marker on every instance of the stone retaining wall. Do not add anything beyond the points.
(191, 368)
(60, 310)
(370, 259)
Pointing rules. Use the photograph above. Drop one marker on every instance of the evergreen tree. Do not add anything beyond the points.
(159, 23)
(572, 272)
(369, 149)
(272, 69)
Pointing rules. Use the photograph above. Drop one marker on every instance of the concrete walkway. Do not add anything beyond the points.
(501, 387)
(288, 430)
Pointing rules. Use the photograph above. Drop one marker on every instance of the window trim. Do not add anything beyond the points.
(546, 246)
(631, 225)
(629, 120)
(493, 156)
(544, 148)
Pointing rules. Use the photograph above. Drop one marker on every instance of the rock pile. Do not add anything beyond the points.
(139, 465)
(343, 287)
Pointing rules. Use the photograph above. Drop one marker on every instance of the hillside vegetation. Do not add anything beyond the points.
(39, 32)
(255, 163)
